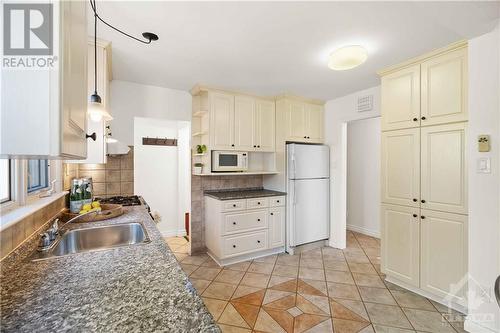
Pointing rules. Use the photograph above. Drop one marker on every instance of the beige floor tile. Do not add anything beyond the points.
(289, 260)
(205, 273)
(408, 299)
(388, 329)
(257, 267)
(188, 269)
(338, 276)
(319, 286)
(233, 329)
(195, 260)
(311, 262)
(314, 253)
(357, 259)
(392, 286)
(180, 256)
(332, 252)
(285, 270)
(200, 284)
(428, 321)
(376, 295)
(362, 268)
(214, 306)
(367, 280)
(387, 315)
(231, 316)
(210, 263)
(218, 290)
(267, 259)
(255, 280)
(229, 276)
(336, 265)
(340, 290)
(312, 273)
(241, 266)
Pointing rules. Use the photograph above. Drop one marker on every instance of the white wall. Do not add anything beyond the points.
(129, 100)
(363, 176)
(337, 113)
(484, 189)
(158, 172)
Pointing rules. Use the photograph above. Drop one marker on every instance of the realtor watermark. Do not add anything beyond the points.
(28, 36)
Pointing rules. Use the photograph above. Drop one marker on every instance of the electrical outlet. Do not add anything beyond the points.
(483, 143)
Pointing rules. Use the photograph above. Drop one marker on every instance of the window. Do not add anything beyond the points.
(38, 175)
(5, 181)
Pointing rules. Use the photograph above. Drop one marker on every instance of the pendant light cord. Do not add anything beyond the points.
(95, 46)
(93, 5)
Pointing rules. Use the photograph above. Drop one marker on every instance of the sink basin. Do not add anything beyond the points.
(96, 239)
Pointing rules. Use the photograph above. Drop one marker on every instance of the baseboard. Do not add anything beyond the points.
(364, 231)
(475, 327)
(181, 232)
(245, 257)
(173, 233)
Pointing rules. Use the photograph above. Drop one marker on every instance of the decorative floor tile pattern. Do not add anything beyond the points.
(319, 291)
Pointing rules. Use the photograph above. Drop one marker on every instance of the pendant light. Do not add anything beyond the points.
(96, 110)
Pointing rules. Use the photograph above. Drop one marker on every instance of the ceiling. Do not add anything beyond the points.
(269, 48)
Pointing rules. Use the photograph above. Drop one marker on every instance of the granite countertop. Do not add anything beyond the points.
(138, 288)
(247, 193)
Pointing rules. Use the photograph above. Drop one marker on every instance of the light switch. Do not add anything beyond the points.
(483, 165)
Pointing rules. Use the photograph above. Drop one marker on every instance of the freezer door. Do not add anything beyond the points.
(309, 213)
(308, 161)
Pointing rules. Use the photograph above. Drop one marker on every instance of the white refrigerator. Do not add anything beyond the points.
(308, 188)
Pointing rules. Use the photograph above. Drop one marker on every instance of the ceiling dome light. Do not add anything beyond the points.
(347, 57)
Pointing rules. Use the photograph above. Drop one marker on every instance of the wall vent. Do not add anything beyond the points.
(365, 103)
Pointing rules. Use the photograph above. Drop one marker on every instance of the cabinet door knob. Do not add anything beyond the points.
(234, 246)
(277, 201)
(258, 241)
(258, 146)
(258, 220)
(92, 136)
(258, 203)
(415, 119)
(415, 215)
(234, 223)
(308, 137)
(423, 201)
(232, 145)
(272, 213)
(254, 146)
(423, 118)
(234, 205)
(415, 200)
(305, 137)
(422, 217)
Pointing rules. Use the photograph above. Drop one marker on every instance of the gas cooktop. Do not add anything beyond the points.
(129, 200)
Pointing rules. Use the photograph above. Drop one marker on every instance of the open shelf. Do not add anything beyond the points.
(199, 133)
(202, 154)
(200, 113)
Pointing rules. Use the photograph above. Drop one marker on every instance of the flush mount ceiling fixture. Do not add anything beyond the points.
(347, 57)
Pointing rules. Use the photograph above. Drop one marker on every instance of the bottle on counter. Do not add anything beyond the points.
(87, 190)
(76, 196)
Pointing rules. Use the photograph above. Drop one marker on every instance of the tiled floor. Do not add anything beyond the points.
(321, 290)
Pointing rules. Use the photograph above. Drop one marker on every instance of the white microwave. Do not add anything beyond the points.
(229, 161)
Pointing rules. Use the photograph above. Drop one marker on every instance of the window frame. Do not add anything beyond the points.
(38, 189)
(10, 172)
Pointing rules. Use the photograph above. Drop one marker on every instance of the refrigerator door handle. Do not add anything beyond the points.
(294, 165)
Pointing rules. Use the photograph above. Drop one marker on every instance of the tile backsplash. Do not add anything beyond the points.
(199, 184)
(115, 177)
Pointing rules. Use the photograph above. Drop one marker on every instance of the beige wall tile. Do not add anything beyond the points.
(127, 188)
(98, 176)
(91, 166)
(113, 188)
(99, 188)
(5, 242)
(113, 176)
(127, 163)
(127, 175)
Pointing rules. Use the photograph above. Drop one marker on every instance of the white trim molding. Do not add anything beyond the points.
(476, 327)
(364, 231)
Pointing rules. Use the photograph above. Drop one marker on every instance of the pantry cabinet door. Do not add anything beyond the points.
(400, 178)
(73, 87)
(444, 88)
(265, 130)
(221, 121)
(444, 168)
(276, 227)
(314, 123)
(444, 255)
(296, 121)
(400, 243)
(400, 99)
(245, 122)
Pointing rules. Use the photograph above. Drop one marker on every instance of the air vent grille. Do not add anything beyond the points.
(365, 103)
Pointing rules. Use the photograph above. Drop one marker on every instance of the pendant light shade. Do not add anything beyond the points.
(96, 110)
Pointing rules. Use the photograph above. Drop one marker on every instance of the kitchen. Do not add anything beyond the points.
(217, 186)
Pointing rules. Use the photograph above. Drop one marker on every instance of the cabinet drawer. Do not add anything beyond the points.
(244, 221)
(257, 203)
(276, 201)
(246, 243)
(232, 205)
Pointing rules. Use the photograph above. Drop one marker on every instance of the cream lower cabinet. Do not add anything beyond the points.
(401, 243)
(443, 258)
(238, 230)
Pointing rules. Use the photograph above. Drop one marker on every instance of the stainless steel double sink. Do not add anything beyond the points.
(95, 239)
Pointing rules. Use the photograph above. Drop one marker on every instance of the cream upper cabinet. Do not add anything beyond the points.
(297, 124)
(50, 102)
(400, 178)
(221, 121)
(444, 88)
(400, 246)
(444, 254)
(444, 168)
(400, 99)
(314, 122)
(265, 131)
(245, 123)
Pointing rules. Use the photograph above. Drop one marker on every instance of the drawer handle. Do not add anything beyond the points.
(234, 205)
(258, 220)
(415, 215)
(234, 223)
(234, 246)
(272, 213)
(258, 203)
(423, 201)
(415, 119)
(422, 217)
(277, 201)
(258, 241)
(415, 200)
(423, 118)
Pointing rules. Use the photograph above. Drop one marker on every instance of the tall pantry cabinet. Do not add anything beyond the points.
(424, 174)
